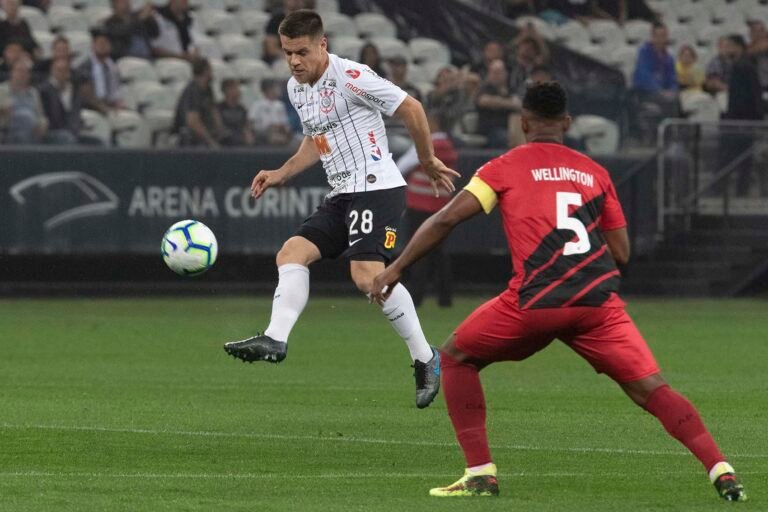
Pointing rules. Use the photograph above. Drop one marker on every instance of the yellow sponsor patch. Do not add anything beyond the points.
(390, 239)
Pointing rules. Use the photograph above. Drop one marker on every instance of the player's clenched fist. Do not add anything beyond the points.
(264, 180)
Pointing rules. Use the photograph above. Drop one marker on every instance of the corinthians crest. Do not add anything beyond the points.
(327, 100)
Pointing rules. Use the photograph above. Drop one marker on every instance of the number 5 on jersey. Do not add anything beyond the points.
(564, 221)
(321, 143)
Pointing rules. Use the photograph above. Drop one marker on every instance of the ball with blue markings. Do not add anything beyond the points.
(189, 248)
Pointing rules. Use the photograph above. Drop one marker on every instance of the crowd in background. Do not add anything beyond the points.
(41, 98)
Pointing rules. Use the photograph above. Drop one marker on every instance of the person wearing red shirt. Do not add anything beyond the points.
(566, 233)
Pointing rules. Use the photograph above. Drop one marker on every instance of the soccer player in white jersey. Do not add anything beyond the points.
(340, 103)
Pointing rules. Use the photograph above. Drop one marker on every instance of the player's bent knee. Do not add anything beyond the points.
(364, 283)
(297, 250)
(640, 390)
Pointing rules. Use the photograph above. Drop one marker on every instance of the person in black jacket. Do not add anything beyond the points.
(130, 32)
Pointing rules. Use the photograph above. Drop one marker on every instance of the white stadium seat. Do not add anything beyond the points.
(199, 5)
(253, 22)
(280, 69)
(337, 24)
(623, 58)
(573, 34)
(374, 25)
(35, 18)
(237, 46)
(346, 47)
(84, 4)
(97, 14)
(208, 47)
(153, 96)
(679, 34)
(66, 19)
(699, 106)
(171, 70)
(326, 6)
(430, 71)
(129, 128)
(424, 49)
(391, 47)
(637, 31)
(606, 33)
(600, 135)
(542, 27)
(79, 44)
(133, 69)
(45, 40)
(251, 70)
(221, 70)
(243, 6)
(96, 125)
(728, 14)
(217, 22)
(689, 13)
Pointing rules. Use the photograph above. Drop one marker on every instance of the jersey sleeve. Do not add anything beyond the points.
(613, 216)
(375, 92)
(487, 184)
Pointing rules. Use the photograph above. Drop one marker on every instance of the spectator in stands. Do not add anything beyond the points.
(62, 101)
(758, 49)
(515, 135)
(174, 37)
(129, 31)
(448, 99)
(690, 76)
(59, 49)
(272, 50)
(492, 50)
(718, 70)
(12, 52)
(269, 117)
(421, 203)
(234, 117)
(530, 51)
(197, 120)
(14, 28)
(370, 56)
(495, 102)
(397, 133)
(21, 112)
(398, 75)
(101, 88)
(654, 77)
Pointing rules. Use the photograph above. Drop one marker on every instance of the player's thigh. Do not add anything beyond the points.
(326, 227)
(363, 272)
(298, 249)
(372, 221)
(612, 344)
(496, 332)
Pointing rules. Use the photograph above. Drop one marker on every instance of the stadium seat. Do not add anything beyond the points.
(79, 44)
(593, 51)
(251, 70)
(253, 22)
(244, 6)
(199, 5)
(84, 4)
(44, 39)
(214, 22)
(728, 14)
(96, 125)
(346, 47)
(424, 49)
(391, 47)
(133, 69)
(370, 24)
(606, 33)
(249, 93)
(430, 70)
(153, 96)
(237, 46)
(623, 58)
(171, 70)
(600, 135)
(699, 106)
(281, 70)
(546, 30)
(466, 130)
(208, 47)
(221, 70)
(326, 6)
(66, 19)
(338, 24)
(637, 31)
(759, 12)
(708, 35)
(679, 34)
(97, 14)
(129, 129)
(573, 34)
(35, 18)
(690, 13)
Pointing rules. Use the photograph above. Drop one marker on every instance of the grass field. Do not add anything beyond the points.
(132, 405)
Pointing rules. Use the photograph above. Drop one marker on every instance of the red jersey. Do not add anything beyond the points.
(555, 202)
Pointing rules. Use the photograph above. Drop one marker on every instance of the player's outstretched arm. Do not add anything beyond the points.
(304, 157)
(412, 114)
(433, 231)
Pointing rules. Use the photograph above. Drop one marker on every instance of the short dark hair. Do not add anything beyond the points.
(546, 99)
(301, 23)
(229, 82)
(269, 83)
(738, 40)
(657, 25)
(200, 66)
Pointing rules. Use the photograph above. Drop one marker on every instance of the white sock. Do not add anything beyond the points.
(401, 313)
(718, 469)
(291, 296)
(482, 468)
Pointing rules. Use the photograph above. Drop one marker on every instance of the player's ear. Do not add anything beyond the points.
(524, 124)
(323, 42)
(567, 123)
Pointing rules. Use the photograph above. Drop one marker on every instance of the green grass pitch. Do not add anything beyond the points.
(121, 405)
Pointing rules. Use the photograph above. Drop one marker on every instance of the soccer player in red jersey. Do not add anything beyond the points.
(566, 233)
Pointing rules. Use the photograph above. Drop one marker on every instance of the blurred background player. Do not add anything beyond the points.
(566, 232)
(420, 203)
(340, 104)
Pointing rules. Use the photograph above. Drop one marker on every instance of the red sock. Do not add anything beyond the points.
(682, 421)
(466, 406)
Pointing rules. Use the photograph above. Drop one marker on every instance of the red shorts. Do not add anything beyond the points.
(606, 337)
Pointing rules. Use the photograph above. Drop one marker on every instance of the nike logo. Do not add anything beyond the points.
(353, 242)
(298, 107)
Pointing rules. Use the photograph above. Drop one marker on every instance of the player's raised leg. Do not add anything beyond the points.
(401, 313)
(290, 297)
(682, 421)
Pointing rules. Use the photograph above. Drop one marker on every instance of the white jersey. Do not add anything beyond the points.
(342, 114)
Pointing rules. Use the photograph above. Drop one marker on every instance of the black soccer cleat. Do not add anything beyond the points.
(258, 348)
(427, 379)
(729, 488)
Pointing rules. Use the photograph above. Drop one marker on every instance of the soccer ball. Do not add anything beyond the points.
(189, 248)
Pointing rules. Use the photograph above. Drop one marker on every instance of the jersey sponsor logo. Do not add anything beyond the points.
(322, 145)
(365, 94)
(353, 73)
(323, 128)
(375, 151)
(329, 83)
(371, 179)
(390, 237)
(327, 100)
(297, 89)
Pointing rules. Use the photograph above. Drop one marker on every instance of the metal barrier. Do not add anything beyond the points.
(710, 168)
